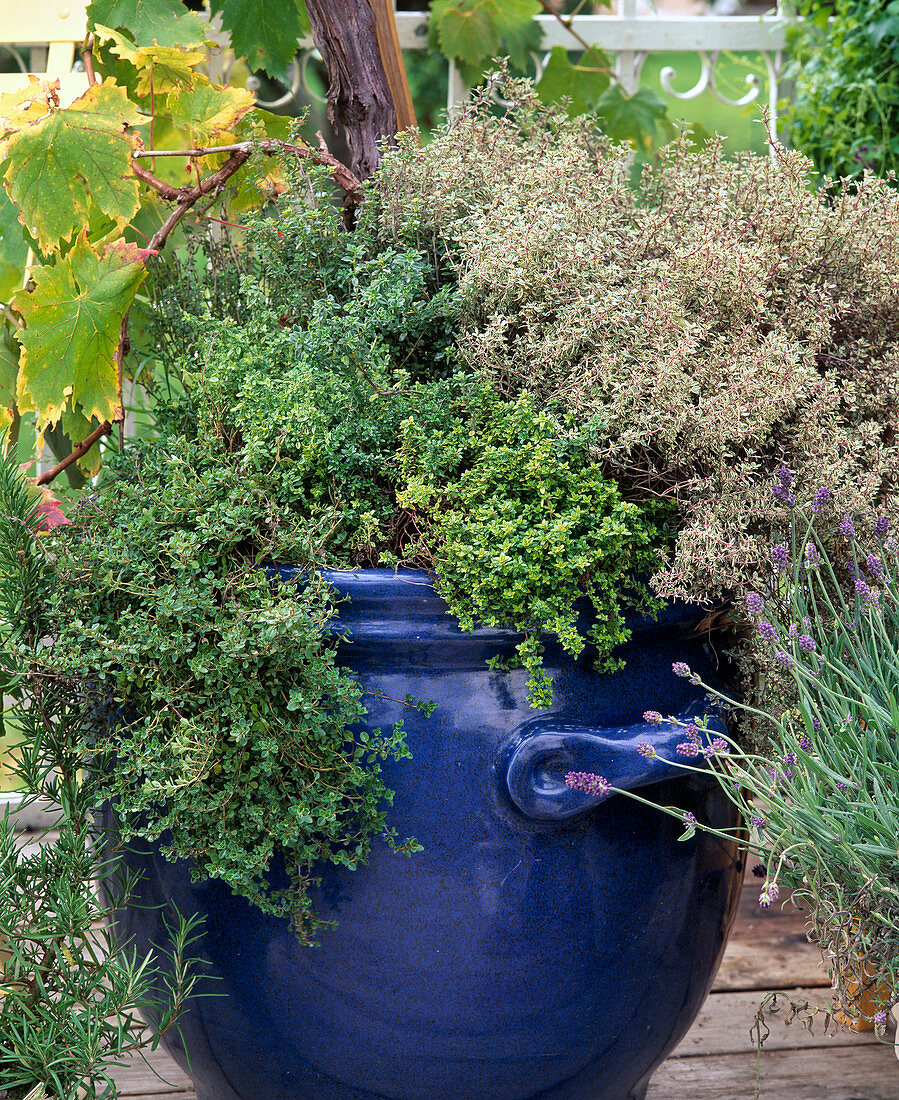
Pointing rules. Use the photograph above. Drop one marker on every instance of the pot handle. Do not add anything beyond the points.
(532, 769)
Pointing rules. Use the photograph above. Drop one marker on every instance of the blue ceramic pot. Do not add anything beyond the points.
(544, 944)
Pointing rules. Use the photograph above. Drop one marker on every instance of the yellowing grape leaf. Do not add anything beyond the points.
(77, 427)
(160, 68)
(165, 22)
(27, 105)
(69, 158)
(72, 320)
(208, 111)
(265, 32)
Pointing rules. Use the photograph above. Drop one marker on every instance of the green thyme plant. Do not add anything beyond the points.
(822, 800)
(331, 423)
(72, 999)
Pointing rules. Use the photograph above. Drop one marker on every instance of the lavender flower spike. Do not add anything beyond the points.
(754, 603)
(588, 782)
(847, 527)
(822, 499)
(767, 631)
(780, 555)
(645, 749)
(812, 557)
(881, 527)
(652, 716)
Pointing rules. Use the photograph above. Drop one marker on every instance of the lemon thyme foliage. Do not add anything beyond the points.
(332, 425)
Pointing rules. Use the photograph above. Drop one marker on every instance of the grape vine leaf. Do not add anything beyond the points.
(206, 110)
(634, 118)
(265, 32)
(9, 369)
(72, 319)
(71, 158)
(27, 105)
(463, 30)
(520, 34)
(581, 84)
(13, 249)
(472, 32)
(163, 22)
(160, 68)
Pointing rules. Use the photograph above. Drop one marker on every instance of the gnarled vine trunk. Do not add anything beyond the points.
(368, 93)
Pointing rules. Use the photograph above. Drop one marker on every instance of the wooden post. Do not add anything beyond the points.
(361, 96)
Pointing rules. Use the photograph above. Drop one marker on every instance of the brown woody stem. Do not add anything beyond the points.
(83, 447)
(87, 58)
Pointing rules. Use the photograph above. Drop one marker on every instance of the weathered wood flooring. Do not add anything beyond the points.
(717, 1058)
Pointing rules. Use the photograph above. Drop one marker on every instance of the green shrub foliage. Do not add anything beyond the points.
(843, 110)
(327, 420)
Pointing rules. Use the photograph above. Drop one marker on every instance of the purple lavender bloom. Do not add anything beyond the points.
(720, 746)
(881, 527)
(875, 567)
(806, 643)
(793, 631)
(652, 716)
(842, 786)
(784, 476)
(812, 557)
(758, 823)
(847, 528)
(764, 900)
(692, 731)
(784, 659)
(816, 725)
(822, 499)
(688, 748)
(782, 494)
(880, 1019)
(805, 743)
(864, 591)
(852, 568)
(679, 668)
(767, 631)
(789, 759)
(588, 783)
(689, 819)
(754, 603)
(645, 749)
(780, 555)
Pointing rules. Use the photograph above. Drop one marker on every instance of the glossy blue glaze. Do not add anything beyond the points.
(540, 946)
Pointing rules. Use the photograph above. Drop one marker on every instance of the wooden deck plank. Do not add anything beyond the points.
(723, 1027)
(768, 948)
(841, 1073)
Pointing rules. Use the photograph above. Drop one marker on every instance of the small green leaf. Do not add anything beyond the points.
(561, 79)
(72, 322)
(520, 33)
